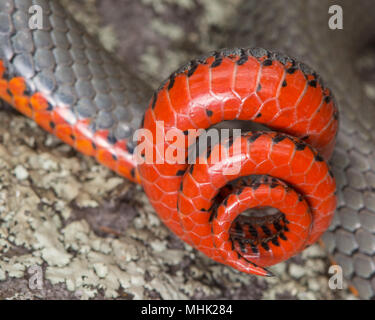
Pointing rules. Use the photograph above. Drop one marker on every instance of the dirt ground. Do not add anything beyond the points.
(91, 234)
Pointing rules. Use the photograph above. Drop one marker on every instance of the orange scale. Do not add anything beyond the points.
(317, 173)
(64, 132)
(319, 122)
(200, 217)
(299, 128)
(170, 200)
(186, 206)
(201, 203)
(198, 115)
(149, 121)
(250, 107)
(163, 109)
(325, 188)
(169, 185)
(296, 84)
(124, 170)
(156, 193)
(106, 158)
(201, 174)
(179, 94)
(3, 91)
(298, 179)
(246, 78)
(184, 122)
(207, 191)
(284, 119)
(38, 102)
(328, 205)
(17, 86)
(260, 149)
(282, 152)
(175, 227)
(201, 230)
(150, 172)
(270, 80)
(231, 107)
(23, 106)
(278, 194)
(310, 102)
(2, 68)
(222, 77)
(85, 146)
(199, 82)
(268, 112)
(62, 115)
(217, 179)
(206, 243)
(301, 161)
(188, 225)
(44, 120)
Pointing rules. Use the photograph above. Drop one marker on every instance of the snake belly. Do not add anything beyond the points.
(71, 87)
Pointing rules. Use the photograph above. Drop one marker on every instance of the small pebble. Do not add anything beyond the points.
(21, 173)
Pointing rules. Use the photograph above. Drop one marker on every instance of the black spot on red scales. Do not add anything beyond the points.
(300, 146)
(275, 242)
(284, 84)
(266, 231)
(217, 62)
(313, 83)
(259, 115)
(278, 138)
(52, 125)
(243, 59)
(242, 246)
(209, 112)
(282, 236)
(111, 139)
(171, 81)
(255, 136)
(265, 246)
(253, 231)
(194, 65)
(254, 248)
(267, 63)
(114, 157)
(277, 226)
(319, 158)
(132, 172)
(49, 107)
(327, 99)
(259, 87)
(291, 70)
(180, 172)
(154, 97)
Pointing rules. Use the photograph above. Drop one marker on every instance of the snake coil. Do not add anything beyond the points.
(284, 169)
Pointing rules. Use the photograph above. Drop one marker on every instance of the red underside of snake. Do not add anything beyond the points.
(284, 168)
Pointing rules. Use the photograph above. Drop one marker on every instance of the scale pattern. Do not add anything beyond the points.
(301, 28)
(70, 86)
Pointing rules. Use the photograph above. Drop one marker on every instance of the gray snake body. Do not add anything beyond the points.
(62, 62)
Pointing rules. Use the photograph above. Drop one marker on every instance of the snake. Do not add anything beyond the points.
(308, 174)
